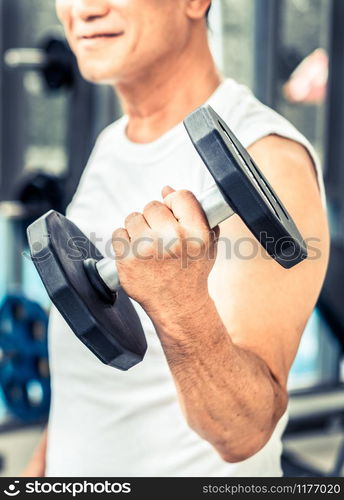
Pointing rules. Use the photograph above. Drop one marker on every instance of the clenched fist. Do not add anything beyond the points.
(165, 254)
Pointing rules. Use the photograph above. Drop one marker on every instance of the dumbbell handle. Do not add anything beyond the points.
(216, 210)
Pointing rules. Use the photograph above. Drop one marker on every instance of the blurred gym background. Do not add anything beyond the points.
(291, 53)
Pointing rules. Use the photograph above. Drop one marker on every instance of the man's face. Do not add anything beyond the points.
(116, 40)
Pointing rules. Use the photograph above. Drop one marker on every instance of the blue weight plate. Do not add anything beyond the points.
(245, 188)
(112, 332)
(24, 367)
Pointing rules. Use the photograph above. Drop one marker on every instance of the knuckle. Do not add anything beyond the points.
(131, 217)
(175, 248)
(145, 250)
(120, 243)
(177, 233)
(174, 244)
(196, 242)
(185, 194)
(144, 247)
(152, 205)
(117, 234)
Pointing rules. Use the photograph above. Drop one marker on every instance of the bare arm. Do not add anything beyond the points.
(228, 394)
(230, 340)
(36, 466)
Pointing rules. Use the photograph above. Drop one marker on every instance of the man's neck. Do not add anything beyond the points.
(160, 99)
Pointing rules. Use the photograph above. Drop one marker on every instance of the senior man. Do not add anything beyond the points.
(210, 397)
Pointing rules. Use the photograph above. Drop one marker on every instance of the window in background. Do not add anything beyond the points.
(302, 27)
(40, 123)
(231, 36)
(46, 113)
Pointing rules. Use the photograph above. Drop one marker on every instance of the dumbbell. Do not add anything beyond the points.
(53, 59)
(85, 287)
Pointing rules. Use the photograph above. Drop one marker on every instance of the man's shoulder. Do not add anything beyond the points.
(249, 118)
(241, 110)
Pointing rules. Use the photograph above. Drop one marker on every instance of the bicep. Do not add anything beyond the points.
(265, 307)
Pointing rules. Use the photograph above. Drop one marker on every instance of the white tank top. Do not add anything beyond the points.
(105, 422)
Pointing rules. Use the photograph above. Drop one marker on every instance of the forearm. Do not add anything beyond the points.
(227, 393)
(36, 465)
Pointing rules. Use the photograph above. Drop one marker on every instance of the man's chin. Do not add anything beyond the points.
(96, 75)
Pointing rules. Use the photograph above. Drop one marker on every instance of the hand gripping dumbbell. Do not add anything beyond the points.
(85, 287)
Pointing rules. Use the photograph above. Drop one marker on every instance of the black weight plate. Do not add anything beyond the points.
(112, 332)
(245, 188)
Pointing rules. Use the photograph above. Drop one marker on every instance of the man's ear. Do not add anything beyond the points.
(196, 9)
